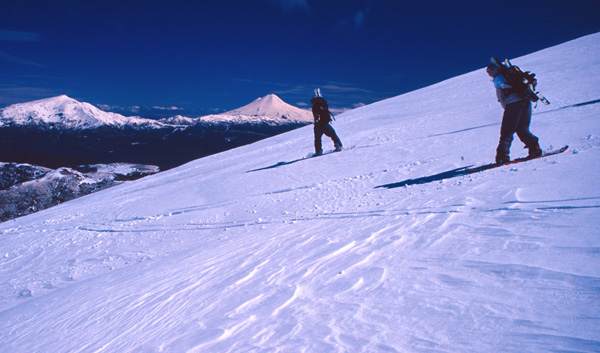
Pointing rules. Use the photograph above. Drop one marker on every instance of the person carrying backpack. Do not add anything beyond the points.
(516, 118)
(322, 116)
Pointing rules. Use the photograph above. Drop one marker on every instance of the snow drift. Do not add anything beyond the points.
(225, 255)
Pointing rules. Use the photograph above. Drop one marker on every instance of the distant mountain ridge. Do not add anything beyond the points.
(63, 132)
(68, 113)
(65, 112)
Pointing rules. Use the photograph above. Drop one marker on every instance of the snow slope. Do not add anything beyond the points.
(259, 250)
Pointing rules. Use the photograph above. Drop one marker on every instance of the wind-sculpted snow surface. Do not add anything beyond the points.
(312, 257)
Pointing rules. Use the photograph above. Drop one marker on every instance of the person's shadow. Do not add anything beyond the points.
(428, 179)
(280, 164)
(466, 170)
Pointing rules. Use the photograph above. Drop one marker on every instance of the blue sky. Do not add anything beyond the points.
(201, 56)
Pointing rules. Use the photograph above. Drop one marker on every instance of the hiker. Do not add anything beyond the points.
(516, 118)
(323, 116)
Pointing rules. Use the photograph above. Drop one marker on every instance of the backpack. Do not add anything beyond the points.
(520, 81)
(322, 108)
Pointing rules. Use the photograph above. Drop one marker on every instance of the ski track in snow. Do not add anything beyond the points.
(311, 256)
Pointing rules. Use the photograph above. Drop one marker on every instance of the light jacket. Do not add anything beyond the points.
(505, 93)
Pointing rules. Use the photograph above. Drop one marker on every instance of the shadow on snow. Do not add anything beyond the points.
(428, 179)
(280, 164)
(467, 170)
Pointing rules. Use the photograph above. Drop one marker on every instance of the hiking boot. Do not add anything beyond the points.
(535, 151)
(502, 158)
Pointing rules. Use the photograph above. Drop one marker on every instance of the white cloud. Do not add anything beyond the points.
(167, 108)
(345, 89)
(119, 109)
(104, 107)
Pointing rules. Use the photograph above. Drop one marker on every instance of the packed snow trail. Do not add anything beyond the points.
(312, 257)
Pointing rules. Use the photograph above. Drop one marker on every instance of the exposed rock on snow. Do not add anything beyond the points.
(13, 173)
(27, 189)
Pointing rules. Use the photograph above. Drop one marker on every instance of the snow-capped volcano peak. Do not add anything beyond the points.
(271, 107)
(262, 106)
(64, 112)
(58, 100)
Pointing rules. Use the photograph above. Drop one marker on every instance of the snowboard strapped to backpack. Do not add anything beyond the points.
(519, 80)
(321, 107)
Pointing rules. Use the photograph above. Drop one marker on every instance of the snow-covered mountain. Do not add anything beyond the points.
(259, 249)
(68, 113)
(48, 132)
(272, 109)
(179, 120)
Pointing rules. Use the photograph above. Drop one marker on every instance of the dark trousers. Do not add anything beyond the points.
(327, 130)
(516, 118)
